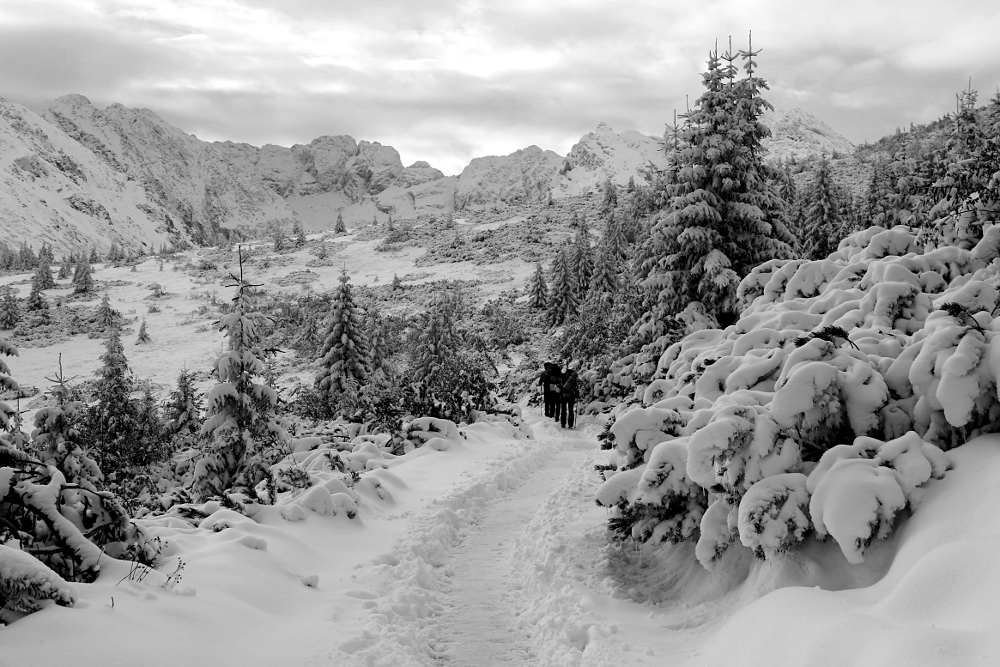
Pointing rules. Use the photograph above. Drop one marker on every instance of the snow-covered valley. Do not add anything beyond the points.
(309, 406)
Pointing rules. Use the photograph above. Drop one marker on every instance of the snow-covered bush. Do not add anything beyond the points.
(25, 584)
(855, 501)
(669, 505)
(859, 371)
(774, 514)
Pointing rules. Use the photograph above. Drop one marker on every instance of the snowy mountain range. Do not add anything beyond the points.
(74, 175)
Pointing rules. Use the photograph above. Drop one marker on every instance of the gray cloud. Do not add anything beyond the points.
(447, 80)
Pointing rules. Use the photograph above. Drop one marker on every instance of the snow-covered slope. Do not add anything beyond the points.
(799, 134)
(55, 190)
(208, 187)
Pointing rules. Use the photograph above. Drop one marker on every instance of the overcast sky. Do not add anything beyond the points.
(448, 80)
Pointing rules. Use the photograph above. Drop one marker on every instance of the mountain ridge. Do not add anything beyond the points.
(78, 176)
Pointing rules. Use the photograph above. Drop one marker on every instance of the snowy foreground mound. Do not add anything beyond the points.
(823, 411)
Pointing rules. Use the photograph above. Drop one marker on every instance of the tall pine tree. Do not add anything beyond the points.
(344, 362)
(538, 290)
(723, 216)
(43, 274)
(36, 300)
(10, 313)
(563, 299)
(183, 411)
(437, 343)
(245, 436)
(112, 425)
(583, 260)
(823, 223)
(605, 278)
(613, 239)
(83, 279)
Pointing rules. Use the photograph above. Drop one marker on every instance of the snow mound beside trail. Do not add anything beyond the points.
(866, 366)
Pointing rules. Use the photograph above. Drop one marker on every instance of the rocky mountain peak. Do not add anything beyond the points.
(73, 100)
(799, 134)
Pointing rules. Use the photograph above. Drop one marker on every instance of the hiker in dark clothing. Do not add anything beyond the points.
(550, 381)
(569, 394)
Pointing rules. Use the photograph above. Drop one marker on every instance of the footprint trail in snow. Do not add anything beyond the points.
(479, 624)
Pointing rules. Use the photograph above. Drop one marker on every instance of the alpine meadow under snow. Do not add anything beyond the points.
(295, 405)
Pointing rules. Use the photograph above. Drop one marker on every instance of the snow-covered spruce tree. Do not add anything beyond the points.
(965, 188)
(57, 439)
(563, 300)
(36, 300)
(183, 411)
(115, 253)
(613, 241)
(786, 186)
(278, 237)
(112, 428)
(10, 313)
(43, 275)
(344, 362)
(605, 278)
(151, 430)
(723, 217)
(46, 254)
(94, 258)
(298, 234)
(583, 260)
(309, 338)
(609, 197)
(594, 335)
(27, 257)
(340, 227)
(106, 317)
(64, 268)
(538, 290)
(378, 344)
(245, 436)
(143, 336)
(83, 279)
(449, 379)
(437, 340)
(824, 227)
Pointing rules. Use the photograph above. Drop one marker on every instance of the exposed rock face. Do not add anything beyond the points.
(193, 189)
(524, 175)
(796, 133)
(418, 173)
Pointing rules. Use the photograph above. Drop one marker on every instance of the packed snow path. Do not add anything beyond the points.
(479, 622)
